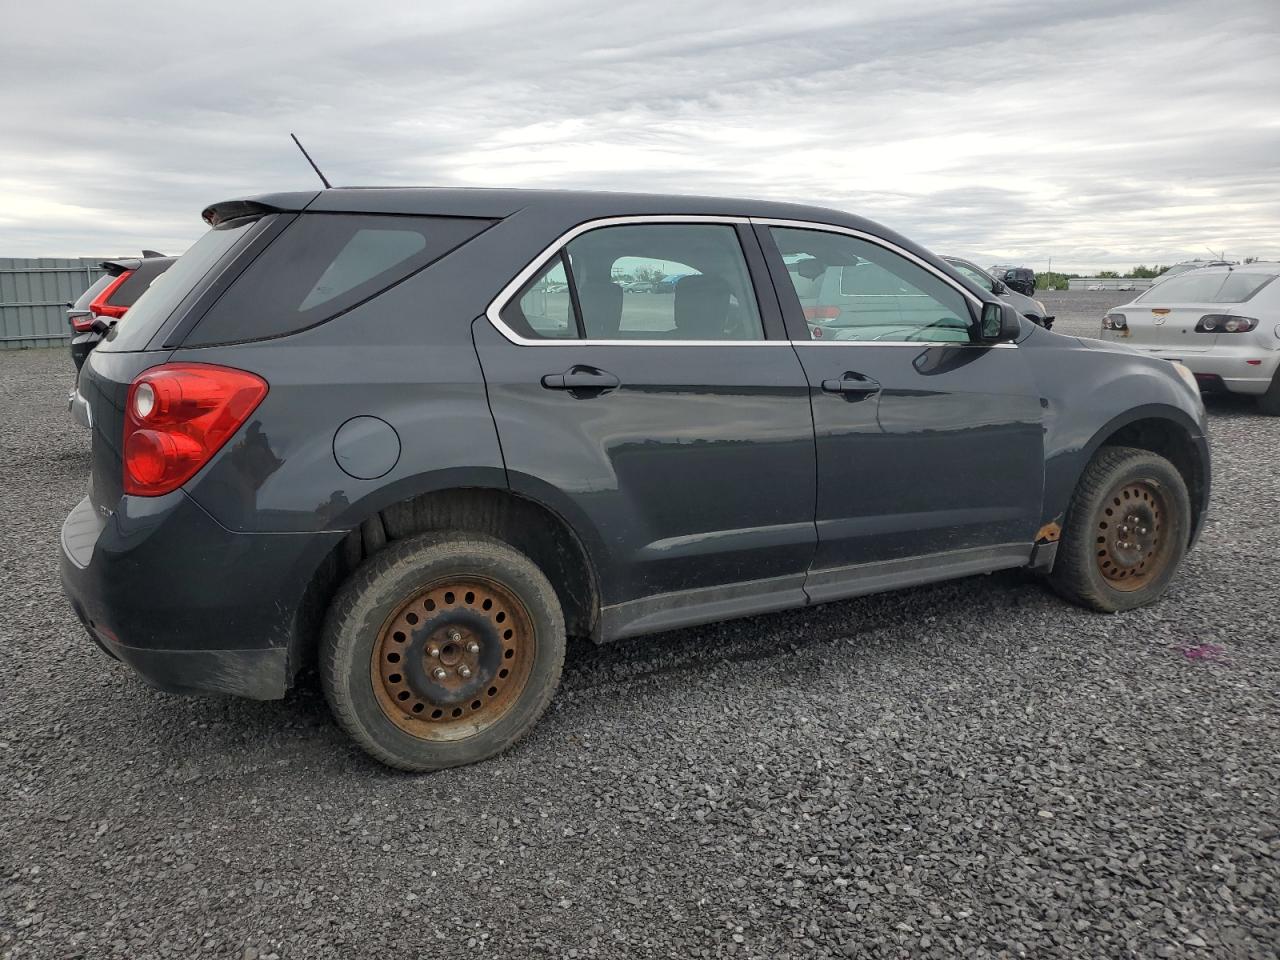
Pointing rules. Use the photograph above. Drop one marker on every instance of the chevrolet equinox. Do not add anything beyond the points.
(420, 436)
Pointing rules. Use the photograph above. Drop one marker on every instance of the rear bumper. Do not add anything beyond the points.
(1224, 366)
(1233, 369)
(192, 607)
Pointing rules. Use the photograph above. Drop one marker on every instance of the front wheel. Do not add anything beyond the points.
(1125, 533)
(442, 651)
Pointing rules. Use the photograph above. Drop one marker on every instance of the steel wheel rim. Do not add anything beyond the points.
(1130, 543)
(453, 660)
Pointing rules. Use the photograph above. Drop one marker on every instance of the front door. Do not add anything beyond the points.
(930, 456)
(641, 388)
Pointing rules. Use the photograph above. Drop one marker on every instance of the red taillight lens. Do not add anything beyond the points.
(101, 307)
(821, 313)
(177, 416)
(81, 322)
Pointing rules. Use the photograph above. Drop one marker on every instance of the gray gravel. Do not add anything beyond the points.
(971, 769)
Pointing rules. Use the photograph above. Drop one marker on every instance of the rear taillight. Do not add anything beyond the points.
(1225, 323)
(100, 305)
(81, 322)
(177, 417)
(821, 313)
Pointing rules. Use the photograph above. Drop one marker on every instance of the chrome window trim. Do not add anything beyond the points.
(494, 311)
(1003, 345)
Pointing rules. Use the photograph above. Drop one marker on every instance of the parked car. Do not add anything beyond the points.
(1186, 265)
(1033, 310)
(638, 286)
(1020, 279)
(109, 298)
(1222, 322)
(352, 428)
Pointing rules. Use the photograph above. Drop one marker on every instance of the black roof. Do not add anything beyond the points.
(575, 205)
(555, 210)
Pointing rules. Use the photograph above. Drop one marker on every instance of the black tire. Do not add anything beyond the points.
(1269, 402)
(1100, 567)
(376, 598)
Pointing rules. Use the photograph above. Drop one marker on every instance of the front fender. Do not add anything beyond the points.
(1089, 393)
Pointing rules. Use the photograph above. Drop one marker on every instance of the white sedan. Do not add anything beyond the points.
(1222, 322)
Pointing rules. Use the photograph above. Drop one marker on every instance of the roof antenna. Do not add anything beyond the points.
(327, 184)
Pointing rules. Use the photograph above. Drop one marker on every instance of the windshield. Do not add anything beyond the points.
(1200, 286)
(148, 314)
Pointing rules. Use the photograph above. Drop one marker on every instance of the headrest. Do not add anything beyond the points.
(601, 302)
(701, 307)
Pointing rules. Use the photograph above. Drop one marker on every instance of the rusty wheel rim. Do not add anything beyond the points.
(1130, 545)
(452, 660)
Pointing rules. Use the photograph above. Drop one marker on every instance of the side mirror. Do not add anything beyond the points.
(1000, 322)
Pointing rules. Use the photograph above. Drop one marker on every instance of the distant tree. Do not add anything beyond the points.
(1108, 275)
(649, 274)
(1052, 281)
(1143, 272)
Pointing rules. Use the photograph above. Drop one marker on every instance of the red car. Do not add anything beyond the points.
(109, 298)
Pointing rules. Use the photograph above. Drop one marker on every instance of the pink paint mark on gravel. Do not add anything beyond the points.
(1206, 652)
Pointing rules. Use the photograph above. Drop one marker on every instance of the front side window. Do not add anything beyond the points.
(644, 281)
(850, 289)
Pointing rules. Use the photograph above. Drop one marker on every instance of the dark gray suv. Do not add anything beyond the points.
(419, 436)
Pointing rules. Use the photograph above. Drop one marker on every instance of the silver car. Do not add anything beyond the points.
(1223, 322)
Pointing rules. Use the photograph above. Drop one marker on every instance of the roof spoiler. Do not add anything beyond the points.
(227, 210)
(234, 210)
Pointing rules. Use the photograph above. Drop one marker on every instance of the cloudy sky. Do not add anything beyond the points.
(1100, 134)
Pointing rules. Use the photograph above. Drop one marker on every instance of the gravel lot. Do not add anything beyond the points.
(970, 769)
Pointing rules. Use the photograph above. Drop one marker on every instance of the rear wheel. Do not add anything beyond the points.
(1125, 533)
(1269, 402)
(442, 651)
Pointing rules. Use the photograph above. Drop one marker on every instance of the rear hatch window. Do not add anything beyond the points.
(138, 282)
(169, 289)
(1199, 287)
(323, 265)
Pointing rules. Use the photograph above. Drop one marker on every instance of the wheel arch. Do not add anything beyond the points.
(1163, 430)
(528, 524)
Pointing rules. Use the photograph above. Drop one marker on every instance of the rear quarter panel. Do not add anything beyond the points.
(405, 357)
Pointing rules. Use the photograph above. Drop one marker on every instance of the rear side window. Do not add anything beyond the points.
(324, 264)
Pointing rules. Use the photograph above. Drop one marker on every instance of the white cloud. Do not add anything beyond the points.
(1095, 134)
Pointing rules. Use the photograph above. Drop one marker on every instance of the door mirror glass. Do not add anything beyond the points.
(1000, 322)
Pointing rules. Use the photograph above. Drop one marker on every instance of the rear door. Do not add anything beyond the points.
(675, 427)
(930, 457)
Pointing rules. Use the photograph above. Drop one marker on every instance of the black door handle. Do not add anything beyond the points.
(581, 378)
(850, 383)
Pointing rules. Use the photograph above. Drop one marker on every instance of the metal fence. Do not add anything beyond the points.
(34, 294)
